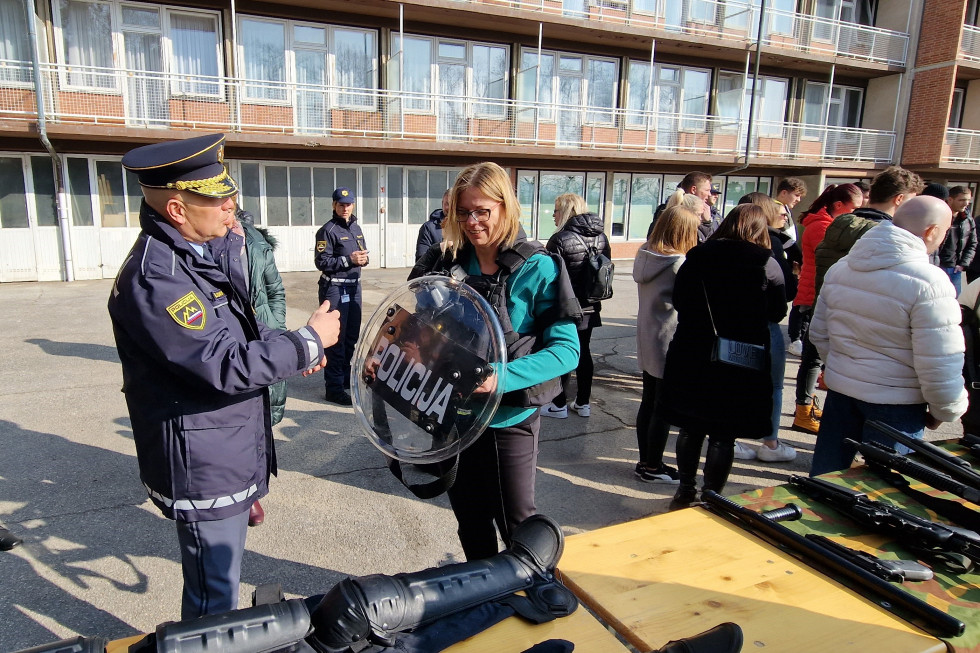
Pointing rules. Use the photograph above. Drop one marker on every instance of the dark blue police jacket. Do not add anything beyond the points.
(335, 242)
(196, 364)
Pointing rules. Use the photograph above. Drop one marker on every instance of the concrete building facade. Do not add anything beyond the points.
(612, 99)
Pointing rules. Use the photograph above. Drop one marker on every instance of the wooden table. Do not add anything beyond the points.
(678, 574)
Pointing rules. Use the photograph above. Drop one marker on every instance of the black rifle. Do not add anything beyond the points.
(894, 571)
(943, 460)
(971, 442)
(922, 536)
(890, 597)
(879, 454)
(891, 570)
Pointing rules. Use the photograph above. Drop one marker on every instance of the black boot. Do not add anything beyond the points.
(718, 463)
(723, 638)
(688, 457)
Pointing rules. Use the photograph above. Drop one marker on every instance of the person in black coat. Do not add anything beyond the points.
(430, 233)
(578, 230)
(729, 286)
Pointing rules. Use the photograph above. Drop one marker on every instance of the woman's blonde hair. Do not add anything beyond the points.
(491, 180)
(675, 232)
(568, 205)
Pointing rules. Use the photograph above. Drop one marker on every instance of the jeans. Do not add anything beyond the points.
(810, 364)
(777, 370)
(846, 417)
(956, 278)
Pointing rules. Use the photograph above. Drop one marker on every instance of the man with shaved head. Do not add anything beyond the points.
(887, 325)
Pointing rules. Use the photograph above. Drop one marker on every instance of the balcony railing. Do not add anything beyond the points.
(970, 45)
(733, 21)
(962, 146)
(98, 96)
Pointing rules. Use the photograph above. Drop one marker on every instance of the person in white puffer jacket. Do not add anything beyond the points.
(887, 325)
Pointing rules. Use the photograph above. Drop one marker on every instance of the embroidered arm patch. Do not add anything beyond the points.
(321, 245)
(188, 312)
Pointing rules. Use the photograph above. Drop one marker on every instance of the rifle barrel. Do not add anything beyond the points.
(915, 611)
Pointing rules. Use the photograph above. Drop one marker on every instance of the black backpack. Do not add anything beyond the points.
(601, 270)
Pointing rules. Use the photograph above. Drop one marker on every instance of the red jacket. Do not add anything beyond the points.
(814, 227)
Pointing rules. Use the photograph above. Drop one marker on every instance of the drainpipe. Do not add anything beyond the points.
(60, 200)
(755, 91)
(237, 71)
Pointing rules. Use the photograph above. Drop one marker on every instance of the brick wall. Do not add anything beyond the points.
(929, 103)
(939, 34)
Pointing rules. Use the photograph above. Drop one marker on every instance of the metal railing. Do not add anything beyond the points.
(970, 45)
(962, 146)
(733, 21)
(139, 99)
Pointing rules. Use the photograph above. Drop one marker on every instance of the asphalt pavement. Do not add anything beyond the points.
(99, 560)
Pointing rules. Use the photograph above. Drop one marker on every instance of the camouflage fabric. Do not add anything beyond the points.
(958, 595)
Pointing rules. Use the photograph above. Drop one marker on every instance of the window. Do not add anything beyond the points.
(302, 196)
(15, 49)
(843, 109)
(86, 29)
(44, 192)
(264, 54)
(80, 193)
(676, 91)
(13, 194)
(956, 109)
(462, 71)
(156, 41)
(413, 193)
(578, 81)
(112, 196)
(537, 192)
(331, 66)
(737, 187)
(770, 102)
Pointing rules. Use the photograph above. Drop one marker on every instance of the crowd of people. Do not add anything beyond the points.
(198, 316)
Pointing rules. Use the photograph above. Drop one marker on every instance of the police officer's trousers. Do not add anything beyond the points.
(495, 485)
(336, 375)
(211, 557)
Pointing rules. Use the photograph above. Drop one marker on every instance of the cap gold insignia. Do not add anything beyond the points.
(344, 193)
(188, 312)
(221, 154)
(212, 185)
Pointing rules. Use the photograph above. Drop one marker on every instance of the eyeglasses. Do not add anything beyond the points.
(481, 215)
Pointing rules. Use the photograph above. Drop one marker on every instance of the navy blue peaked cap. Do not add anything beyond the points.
(194, 164)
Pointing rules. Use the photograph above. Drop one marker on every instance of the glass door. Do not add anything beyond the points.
(147, 99)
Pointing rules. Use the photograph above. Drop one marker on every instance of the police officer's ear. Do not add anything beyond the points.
(176, 210)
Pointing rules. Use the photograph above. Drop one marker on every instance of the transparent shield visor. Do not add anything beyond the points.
(417, 367)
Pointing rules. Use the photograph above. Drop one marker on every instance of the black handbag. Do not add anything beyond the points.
(735, 352)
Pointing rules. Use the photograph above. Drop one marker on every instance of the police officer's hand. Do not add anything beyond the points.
(326, 323)
(360, 257)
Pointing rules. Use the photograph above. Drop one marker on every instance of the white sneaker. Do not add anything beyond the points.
(583, 411)
(783, 453)
(795, 348)
(552, 410)
(743, 452)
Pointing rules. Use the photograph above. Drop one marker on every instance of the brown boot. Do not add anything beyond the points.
(815, 407)
(804, 420)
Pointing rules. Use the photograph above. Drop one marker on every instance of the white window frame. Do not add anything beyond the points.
(472, 102)
(118, 48)
(549, 114)
(290, 45)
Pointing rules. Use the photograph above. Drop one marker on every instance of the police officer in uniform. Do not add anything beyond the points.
(196, 363)
(340, 255)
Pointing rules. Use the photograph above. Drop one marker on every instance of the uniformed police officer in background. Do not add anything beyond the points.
(340, 255)
(196, 363)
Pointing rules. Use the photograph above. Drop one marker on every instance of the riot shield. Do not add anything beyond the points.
(418, 367)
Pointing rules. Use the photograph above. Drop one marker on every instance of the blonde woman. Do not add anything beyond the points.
(654, 270)
(578, 231)
(495, 479)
